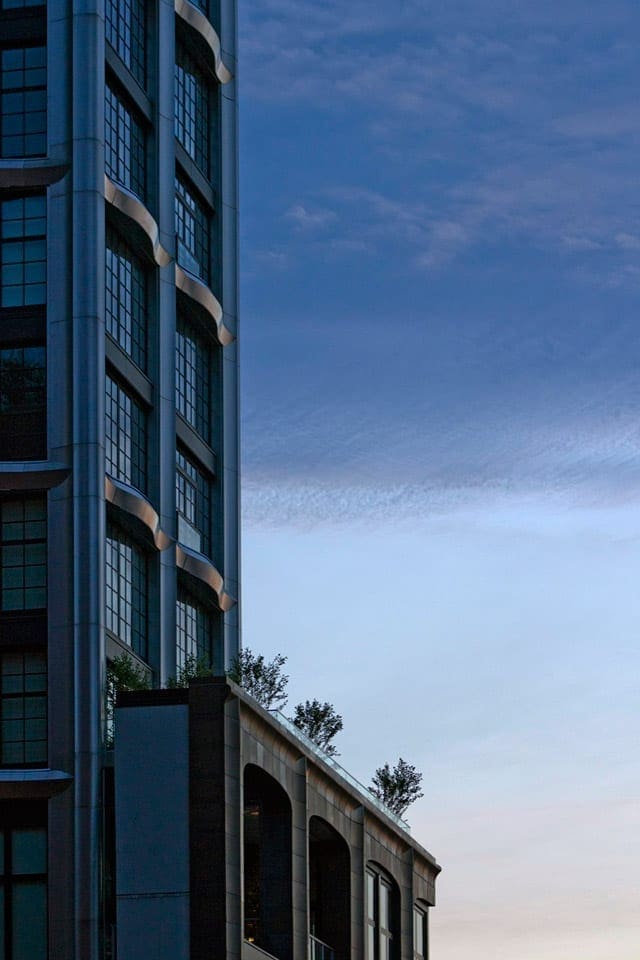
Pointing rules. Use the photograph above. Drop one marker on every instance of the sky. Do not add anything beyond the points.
(440, 261)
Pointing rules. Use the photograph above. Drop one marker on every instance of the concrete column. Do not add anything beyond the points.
(300, 855)
(164, 345)
(88, 459)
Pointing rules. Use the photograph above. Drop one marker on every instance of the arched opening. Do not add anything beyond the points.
(383, 914)
(329, 893)
(268, 918)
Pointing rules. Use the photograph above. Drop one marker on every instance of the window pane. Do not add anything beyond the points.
(23, 562)
(193, 630)
(192, 230)
(193, 501)
(23, 102)
(124, 158)
(29, 920)
(193, 378)
(125, 31)
(192, 104)
(126, 299)
(371, 897)
(126, 590)
(125, 436)
(384, 906)
(22, 263)
(29, 852)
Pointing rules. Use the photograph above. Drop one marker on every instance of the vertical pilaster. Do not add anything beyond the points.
(166, 329)
(88, 459)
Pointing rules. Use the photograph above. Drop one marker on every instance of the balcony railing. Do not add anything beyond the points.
(351, 780)
(319, 950)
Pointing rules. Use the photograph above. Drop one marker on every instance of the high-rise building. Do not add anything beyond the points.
(118, 416)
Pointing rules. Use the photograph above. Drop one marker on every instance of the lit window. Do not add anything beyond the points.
(125, 436)
(126, 299)
(420, 932)
(124, 158)
(192, 108)
(23, 545)
(23, 102)
(192, 230)
(23, 880)
(125, 31)
(193, 630)
(126, 590)
(381, 911)
(23, 403)
(23, 251)
(193, 502)
(23, 709)
(193, 378)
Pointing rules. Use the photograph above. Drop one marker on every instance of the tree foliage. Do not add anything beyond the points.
(194, 668)
(262, 679)
(123, 674)
(320, 722)
(397, 787)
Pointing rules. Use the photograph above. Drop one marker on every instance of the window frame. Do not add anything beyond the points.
(193, 108)
(193, 227)
(125, 142)
(126, 434)
(28, 815)
(127, 288)
(126, 33)
(40, 694)
(26, 91)
(127, 612)
(11, 543)
(381, 939)
(194, 377)
(24, 239)
(200, 646)
(420, 924)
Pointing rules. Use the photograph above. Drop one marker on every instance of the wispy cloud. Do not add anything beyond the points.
(309, 220)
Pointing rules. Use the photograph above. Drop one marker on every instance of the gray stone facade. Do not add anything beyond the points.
(321, 836)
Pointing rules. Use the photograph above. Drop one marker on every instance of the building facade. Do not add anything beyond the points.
(118, 416)
(238, 838)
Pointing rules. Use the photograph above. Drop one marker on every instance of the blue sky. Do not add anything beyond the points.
(440, 280)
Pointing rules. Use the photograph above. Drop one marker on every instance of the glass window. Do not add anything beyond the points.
(23, 251)
(419, 934)
(23, 403)
(124, 158)
(125, 436)
(23, 709)
(192, 231)
(126, 299)
(126, 590)
(193, 501)
(23, 546)
(125, 31)
(23, 883)
(193, 378)
(193, 630)
(380, 913)
(23, 102)
(192, 108)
